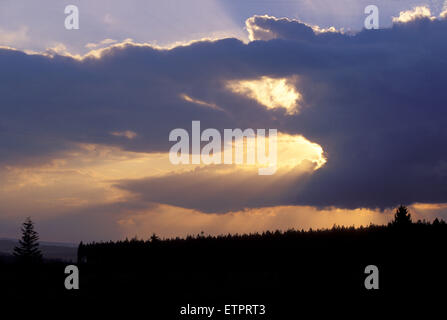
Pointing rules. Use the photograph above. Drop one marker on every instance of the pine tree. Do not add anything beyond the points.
(402, 216)
(28, 248)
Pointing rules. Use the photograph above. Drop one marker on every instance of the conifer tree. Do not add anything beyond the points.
(28, 248)
(402, 216)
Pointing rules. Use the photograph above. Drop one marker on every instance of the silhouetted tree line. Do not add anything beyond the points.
(155, 250)
(271, 264)
(267, 266)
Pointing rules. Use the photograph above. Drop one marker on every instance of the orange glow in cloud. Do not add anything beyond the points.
(200, 102)
(84, 178)
(292, 150)
(270, 92)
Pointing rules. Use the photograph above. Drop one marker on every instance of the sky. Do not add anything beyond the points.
(86, 115)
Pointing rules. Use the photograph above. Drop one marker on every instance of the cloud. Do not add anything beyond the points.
(419, 12)
(268, 28)
(443, 14)
(221, 189)
(271, 93)
(200, 102)
(373, 101)
(127, 134)
(104, 42)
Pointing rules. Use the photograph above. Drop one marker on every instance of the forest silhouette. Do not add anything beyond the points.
(266, 266)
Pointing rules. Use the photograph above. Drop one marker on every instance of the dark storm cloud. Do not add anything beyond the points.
(47, 103)
(375, 102)
(211, 191)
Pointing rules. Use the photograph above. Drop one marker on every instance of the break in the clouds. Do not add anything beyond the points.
(370, 108)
